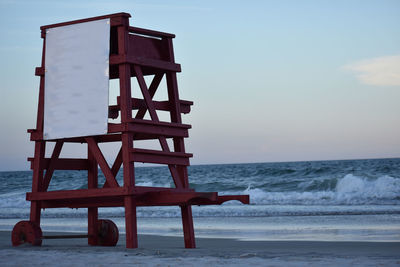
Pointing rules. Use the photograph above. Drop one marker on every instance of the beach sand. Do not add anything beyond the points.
(168, 251)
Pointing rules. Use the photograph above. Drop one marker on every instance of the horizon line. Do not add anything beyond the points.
(239, 163)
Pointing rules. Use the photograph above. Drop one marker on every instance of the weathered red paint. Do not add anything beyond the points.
(135, 52)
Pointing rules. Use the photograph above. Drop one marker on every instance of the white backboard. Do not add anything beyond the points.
(76, 80)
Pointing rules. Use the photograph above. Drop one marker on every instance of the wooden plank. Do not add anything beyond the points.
(159, 128)
(35, 135)
(145, 47)
(153, 198)
(39, 71)
(116, 128)
(160, 157)
(154, 63)
(158, 64)
(166, 106)
(150, 32)
(174, 198)
(100, 202)
(108, 199)
(77, 194)
(64, 164)
(161, 123)
(162, 105)
(127, 15)
(161, 153)
(98, 138)
(138, 103)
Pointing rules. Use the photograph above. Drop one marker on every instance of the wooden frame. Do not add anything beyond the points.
(134, 52)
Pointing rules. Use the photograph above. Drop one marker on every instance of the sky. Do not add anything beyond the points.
(270, 80)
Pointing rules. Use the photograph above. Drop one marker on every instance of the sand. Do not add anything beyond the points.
(169, 251)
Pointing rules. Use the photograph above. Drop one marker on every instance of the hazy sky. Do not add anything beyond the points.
(271, 80)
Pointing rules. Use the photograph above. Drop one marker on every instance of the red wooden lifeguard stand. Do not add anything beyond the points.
(133, 52)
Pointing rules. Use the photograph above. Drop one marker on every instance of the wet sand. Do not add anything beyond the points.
(164, 250)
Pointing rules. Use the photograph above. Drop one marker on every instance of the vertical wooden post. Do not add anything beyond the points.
(130, 223)
(188, 228)
(40, 146)
(93, 211)
(37, 179)
(127, 137)
(179, 146)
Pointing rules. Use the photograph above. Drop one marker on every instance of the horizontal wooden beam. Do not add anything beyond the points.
(166, 198)
(154, 197)
(114, 130)
(39, 71)
(144, 196)
(151, 128)
(115, 15)
(78, 194)
(138, 103)
(160, 157)
(150, 32)
(102, 192)
(159, 128)
(35, 135)
(146, 62)
(64, 164)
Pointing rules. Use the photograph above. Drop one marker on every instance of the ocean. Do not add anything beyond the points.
(344, 200)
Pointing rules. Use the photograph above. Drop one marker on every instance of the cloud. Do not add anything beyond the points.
(380, 71)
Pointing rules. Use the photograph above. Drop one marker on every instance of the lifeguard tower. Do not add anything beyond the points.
(78, 60)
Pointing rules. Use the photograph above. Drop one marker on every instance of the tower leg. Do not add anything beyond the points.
(37, 179)
(93, 211)
(130, 223)
(188, 229)
(92, 226)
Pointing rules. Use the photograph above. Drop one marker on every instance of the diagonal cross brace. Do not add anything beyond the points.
(152, 90)
(116, 166)
(50, 168)
(150, 107)
(94, 148)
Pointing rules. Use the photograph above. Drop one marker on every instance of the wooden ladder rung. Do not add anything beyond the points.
(138, 103)
(146, 62)
(166, 129)
(64, 164)
(160, 157)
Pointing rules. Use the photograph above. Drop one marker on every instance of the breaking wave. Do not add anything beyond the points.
(349, 190)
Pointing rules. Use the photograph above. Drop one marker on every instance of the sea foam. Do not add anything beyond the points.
(350, 190)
